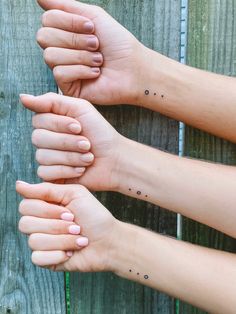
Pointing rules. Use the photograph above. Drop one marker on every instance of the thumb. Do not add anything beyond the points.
(69, 6)
(55, 103)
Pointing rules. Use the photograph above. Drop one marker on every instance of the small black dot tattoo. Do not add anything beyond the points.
(162, 96)
(130, 190)
(146, 196)
(146, 277)
(138, 274)
(155, 94)
(139, 193)
(146, 92)
(130, 270)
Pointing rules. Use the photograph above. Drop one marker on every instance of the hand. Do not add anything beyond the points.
(58, 148)
(49, 238)
(122, 53)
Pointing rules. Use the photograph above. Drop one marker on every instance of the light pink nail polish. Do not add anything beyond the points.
(69, 253)
(74, 229)
(67, 217)
(82, 241)
(85, 145)
(75, 128)
(87, 157)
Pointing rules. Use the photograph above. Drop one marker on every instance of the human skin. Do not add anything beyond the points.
(174, 267)
(202, 191)
(133, 74)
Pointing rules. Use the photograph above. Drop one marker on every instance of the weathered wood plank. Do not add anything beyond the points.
(211, 46)
(24, 289)
(157, 24)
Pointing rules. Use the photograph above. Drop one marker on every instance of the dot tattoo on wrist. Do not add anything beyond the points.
(146, 277)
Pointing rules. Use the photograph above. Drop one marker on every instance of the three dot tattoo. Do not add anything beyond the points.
(147, 92)
(146, 277)
(139, 193)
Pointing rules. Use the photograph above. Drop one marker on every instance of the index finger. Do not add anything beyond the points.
(67, 21)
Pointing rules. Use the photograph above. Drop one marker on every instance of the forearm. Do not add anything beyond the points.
(202, 99)
(203, 277)
(199, 190)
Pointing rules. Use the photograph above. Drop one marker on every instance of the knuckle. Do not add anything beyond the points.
(34, 137)
(75, 40)
(57, 72)
(40, 36)
(71, 159)
(48, 55)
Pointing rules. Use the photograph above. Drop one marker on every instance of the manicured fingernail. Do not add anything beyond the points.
(95, 70)
(88, 27)
(85, 145)
(26, 95)
(67, 217)
(74, 229)
(97, 58)
(80, 170)
(87, 157)
(75, 128)
(21, 182)
(69, 253)
(82, 241)
(92, 42)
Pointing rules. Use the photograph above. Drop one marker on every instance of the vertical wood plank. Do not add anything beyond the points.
(157, 24)
(24, 289)
(211, 46)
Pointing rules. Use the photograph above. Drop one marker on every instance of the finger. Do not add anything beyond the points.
(41, 209)
(54, 193)
(56, 123)
(30, 224)
(60, 141)
(71, 73)
(49, 258)
(53, 37)
(52, 173)
(58, 104)
(55, 56)
(68, 6)
(67, 21)
(48, 242)
(47, 157)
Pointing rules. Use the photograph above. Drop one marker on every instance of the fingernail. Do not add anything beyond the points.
(92, 42)
(88, 27)
(75, 128)
(74, 229)
(21, 182)
(85, 145)
(26, 95)
(97, 58)
(67, 217)
(80, 170)
(87, 157)
(82, 241)
(69, 253)
(95, 70)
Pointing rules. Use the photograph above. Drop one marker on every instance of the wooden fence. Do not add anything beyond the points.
(25, 289)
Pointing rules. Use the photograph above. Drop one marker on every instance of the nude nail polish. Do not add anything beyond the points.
(74, 229)
(75, 128)
(82, 241)
(85, 145)
(87, 157)
(92, 43)
(69, 253)
(67, 217)
(97, 58)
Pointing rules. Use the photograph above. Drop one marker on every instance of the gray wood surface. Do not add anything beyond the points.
(24, 289)
(211, 46)
(157, 24)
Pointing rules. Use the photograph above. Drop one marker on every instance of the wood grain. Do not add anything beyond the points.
(211, 46)
(24, 289)
(157, 24)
